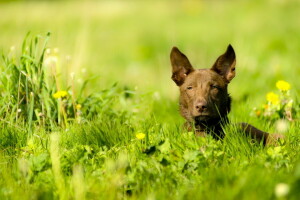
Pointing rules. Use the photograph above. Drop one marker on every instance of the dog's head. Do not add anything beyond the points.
(203, 92)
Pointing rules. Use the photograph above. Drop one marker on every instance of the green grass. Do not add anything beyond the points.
(112, 58)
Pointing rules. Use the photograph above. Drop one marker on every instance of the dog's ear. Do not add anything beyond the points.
(181, 66)
(225, 64)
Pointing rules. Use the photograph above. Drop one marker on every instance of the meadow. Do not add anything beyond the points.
(89, 110)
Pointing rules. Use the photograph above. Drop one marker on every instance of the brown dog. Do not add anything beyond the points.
(204, 99)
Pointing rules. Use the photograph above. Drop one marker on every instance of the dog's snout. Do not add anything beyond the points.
(201, 106)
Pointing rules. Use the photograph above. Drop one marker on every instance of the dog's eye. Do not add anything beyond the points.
(233, 69)
(215, 86)
(189, 88)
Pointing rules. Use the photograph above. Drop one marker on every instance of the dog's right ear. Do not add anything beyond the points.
(181, 66)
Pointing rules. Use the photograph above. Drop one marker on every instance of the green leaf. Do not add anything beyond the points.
(165, 147)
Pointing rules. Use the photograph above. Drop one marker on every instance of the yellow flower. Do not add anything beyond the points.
(140, 136)
(60, 94)
(266, 106)
(78, 106)
(258, 113)
(283, 85)
(273, 98)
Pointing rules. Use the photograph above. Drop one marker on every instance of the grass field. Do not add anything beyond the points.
(89, 111)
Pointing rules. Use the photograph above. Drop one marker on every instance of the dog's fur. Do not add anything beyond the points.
(204, 99)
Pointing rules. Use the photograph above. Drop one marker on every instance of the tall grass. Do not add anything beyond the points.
(36, 94)
(99, 156)
(27, 90)
(62, 138)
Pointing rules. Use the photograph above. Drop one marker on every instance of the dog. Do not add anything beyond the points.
(204, 99)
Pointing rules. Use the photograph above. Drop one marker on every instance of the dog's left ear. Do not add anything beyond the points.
(225, 64)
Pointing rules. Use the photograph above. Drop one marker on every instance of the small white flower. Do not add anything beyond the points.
(19, 110)
(50, 61)
(282, 126)
(56, 50)
(54, 59)
(72, 75)
(12, 48)
(281, 190)
(156, 96)
(48, 51)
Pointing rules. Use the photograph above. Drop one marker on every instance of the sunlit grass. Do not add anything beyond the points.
(93, 114)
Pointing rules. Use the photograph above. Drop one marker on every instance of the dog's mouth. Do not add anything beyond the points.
(202, 118)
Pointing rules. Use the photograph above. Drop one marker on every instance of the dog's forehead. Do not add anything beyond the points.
(203, 76)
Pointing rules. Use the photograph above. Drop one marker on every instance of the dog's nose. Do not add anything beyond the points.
(201, 106)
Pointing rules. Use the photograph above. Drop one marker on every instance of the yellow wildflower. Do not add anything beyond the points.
(266, 106)
(283, 85)
(78, 106)
(258, 113)
(60, 94)
(140, 136)
(273, 98)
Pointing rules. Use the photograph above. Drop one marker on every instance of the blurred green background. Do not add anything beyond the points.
(129, 41)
